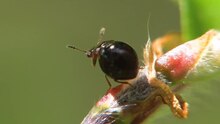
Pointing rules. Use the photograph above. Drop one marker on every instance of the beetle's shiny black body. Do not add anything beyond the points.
(117, 59)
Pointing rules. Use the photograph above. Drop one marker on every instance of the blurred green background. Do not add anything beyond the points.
(43, 82)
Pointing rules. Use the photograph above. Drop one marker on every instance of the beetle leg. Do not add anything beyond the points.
(109, 83)
(178, 106)
(123, 82)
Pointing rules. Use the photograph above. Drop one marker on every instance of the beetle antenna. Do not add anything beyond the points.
(75, 48)
(101, 35)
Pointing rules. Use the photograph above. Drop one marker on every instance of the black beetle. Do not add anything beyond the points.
(117, 59)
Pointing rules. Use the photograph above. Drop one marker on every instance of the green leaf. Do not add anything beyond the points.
(198, 16)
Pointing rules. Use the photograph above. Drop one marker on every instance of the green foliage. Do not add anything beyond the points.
(198, 16)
